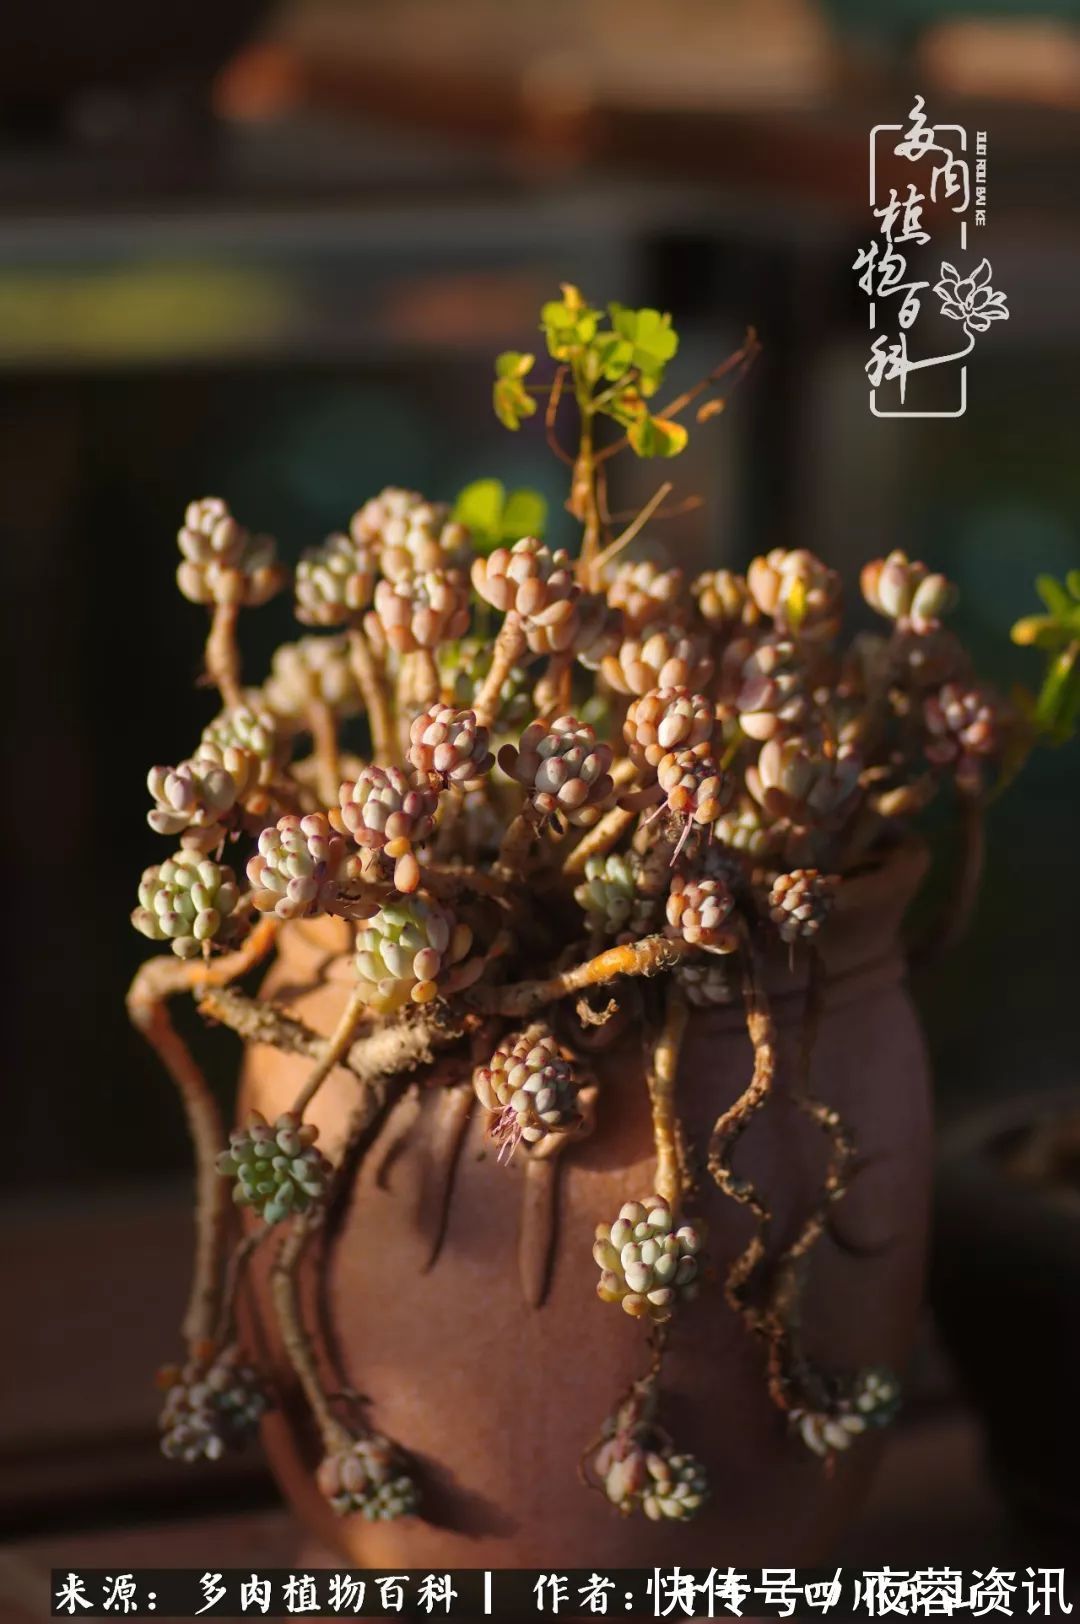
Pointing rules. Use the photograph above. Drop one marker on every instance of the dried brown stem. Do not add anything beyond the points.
(335, 1049)
(636, 525)
(223, 655)
(509, 647)
(733, 1123)
(258, 1021)
(661, 1075)
(156, 981)
(554, 397)
(234, 1276)
(285, 1289)
(780, 1320)
(647, 957)
(372, 685)
(739, 362)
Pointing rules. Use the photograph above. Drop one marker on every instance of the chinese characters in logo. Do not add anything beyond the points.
(936, 201)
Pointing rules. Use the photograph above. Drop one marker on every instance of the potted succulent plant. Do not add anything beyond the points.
(582, 1155)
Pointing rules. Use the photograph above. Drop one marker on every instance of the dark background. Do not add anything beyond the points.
(269, 253)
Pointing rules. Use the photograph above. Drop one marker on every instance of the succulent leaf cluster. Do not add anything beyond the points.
(367, 1477)
(530, 1085)
(212, 1406)
(647, 1263)
(276, 1167)
(188, 901)
(872, 1400)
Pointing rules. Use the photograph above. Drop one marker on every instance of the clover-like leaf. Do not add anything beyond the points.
(495, 518)
(510, 397)
(1053, 594)
(569, 324)
(1057, 707)
(652, 339)
(479, 507)
(656, 436)
(525, 514)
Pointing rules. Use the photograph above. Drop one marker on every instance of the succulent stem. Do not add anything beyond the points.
(234, 1276)
(155, 982)
(647, 957)
(781, 1315)
(516, 848)
(372, 686)
(258, 1021)
(334, 1050)
(661, 1078)
(599, 840)
(324, 733)
(223, 655)
(285, 1287)
(732, 1123)
(552, 694)
(508, 649)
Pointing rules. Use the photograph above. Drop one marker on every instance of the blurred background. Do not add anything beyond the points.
(268, 252)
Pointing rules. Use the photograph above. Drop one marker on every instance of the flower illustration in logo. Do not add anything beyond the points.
(970, 299)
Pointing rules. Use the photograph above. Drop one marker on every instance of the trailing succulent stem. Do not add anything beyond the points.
(733, 1123)
(586, 774)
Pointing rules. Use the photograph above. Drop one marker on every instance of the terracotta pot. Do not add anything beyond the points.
(495, 1401)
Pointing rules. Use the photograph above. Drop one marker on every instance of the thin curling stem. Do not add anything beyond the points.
(372, 687)
(234, 1277)
(733, 1123)
(223, 655)
(647, 957)
(625, 537)
(155, 982)
(509, 647)
(335, 1050)
(781, 1315)
(662, 1075)
(285, 1289)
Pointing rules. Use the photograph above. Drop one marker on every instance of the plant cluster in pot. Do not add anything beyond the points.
(583, 1151)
